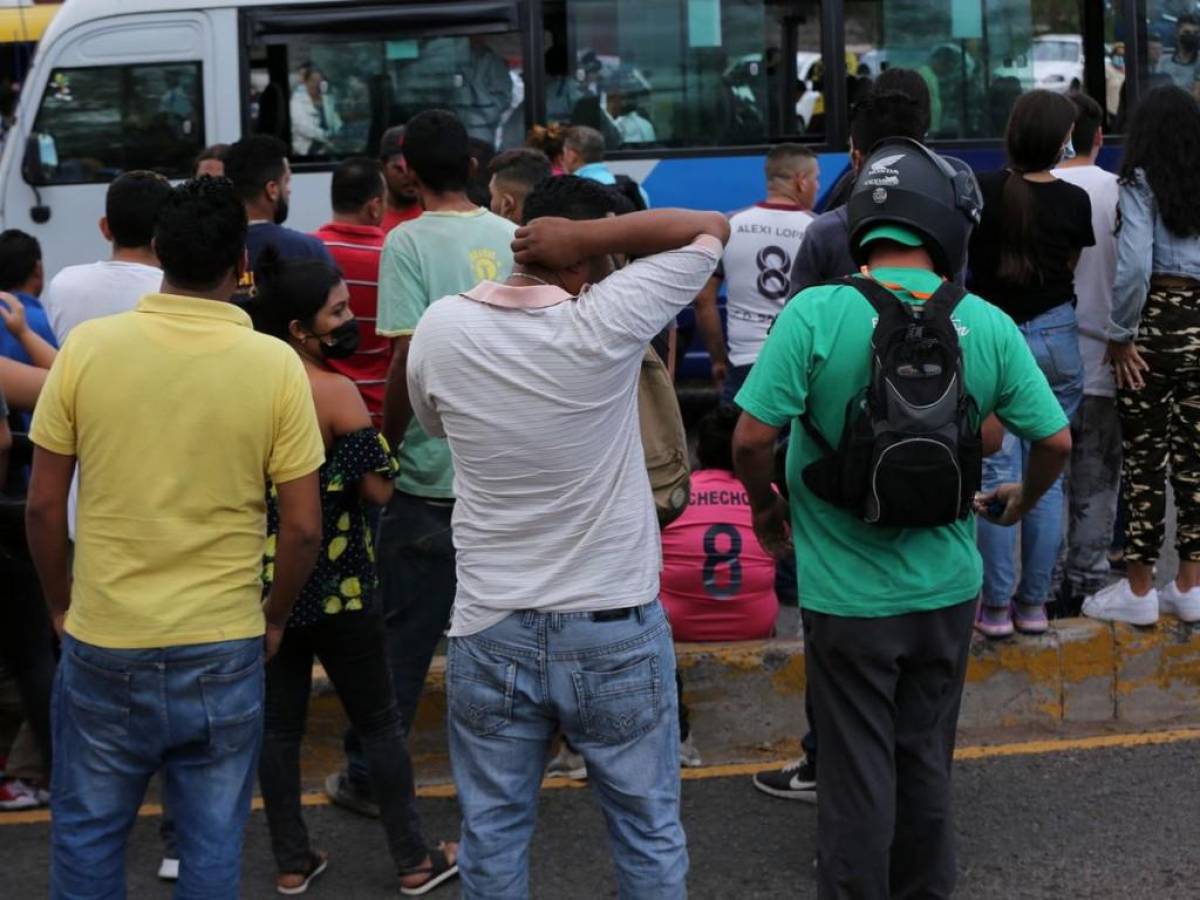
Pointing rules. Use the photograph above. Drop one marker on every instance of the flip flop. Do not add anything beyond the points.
(318, 863)
(439, 870)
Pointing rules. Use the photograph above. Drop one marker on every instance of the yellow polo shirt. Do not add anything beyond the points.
(178, 413)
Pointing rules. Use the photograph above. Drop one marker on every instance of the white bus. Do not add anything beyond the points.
(707, 85)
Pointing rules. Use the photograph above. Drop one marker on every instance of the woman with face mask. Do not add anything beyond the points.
(306, 303)
(1022, 259)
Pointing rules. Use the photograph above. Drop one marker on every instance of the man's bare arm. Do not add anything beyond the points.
(46, 528)
(708, 323)
(754, 463)
(397, 408)
(1047, 458)
(560, 243)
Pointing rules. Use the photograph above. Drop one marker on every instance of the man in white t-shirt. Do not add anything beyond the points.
(556, 620)
(115, 285)
(1095, 472)
(757, 266)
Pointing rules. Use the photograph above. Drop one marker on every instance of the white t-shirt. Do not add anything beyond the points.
(1094, 275)
(554, 511)
(757, 269)
(79, 293)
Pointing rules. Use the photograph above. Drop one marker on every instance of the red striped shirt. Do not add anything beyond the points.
(393, 217)
(356, 250)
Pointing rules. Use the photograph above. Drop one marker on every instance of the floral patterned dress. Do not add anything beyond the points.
(343, 579)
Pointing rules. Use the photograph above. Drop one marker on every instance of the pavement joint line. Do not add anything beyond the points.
(961, 754)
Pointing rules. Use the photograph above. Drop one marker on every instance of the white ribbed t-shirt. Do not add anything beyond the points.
(554, 511)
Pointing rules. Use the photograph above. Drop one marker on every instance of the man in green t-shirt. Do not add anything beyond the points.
(891, 608)
(451, 247)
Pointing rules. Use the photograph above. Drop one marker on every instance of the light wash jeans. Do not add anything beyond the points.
(118, 717)
(1054, 339)
(610, 684)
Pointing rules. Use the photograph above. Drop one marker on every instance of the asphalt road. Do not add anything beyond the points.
(1106, 823)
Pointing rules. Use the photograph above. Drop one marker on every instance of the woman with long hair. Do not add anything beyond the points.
(306, 303)
(1022, 259)
(1154, 345)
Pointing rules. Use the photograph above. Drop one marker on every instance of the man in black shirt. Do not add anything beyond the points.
(898, 106)
(258, 167)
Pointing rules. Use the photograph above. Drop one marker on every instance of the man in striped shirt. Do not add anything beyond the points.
(354, 239)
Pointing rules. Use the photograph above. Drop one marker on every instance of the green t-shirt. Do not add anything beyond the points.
(432, 256)
(815, 360)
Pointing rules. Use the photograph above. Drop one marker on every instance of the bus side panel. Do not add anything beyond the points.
(71, 235)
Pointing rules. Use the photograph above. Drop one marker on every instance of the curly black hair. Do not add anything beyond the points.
(1163, 140)
(201, 233)
(570, 197)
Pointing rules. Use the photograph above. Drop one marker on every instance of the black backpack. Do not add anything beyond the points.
(909, 455)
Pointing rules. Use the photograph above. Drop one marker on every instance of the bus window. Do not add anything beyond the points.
(105, 120)
(1171, 53)
(659, 73)
(333, 98)
(975, 58)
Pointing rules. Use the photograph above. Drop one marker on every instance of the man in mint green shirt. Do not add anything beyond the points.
(891, 608)
(451, 247)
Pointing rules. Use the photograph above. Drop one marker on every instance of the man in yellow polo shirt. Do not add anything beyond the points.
(177, 413)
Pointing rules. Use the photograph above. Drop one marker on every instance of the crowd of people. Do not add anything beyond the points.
(428, 418)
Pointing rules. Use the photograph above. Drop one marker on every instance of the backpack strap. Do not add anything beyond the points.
(882, 299)
(818, 438)
(945, 300)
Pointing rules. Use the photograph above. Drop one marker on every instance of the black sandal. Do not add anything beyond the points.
(318, 863)
(439, 869)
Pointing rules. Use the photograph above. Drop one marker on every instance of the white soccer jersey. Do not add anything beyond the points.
(757, 267)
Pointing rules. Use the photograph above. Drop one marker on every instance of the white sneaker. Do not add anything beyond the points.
(168, 870)
(567, 765)
(1184, 605)
(689, 756)
(1118, 603)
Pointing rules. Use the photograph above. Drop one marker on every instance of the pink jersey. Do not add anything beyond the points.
(718, 584)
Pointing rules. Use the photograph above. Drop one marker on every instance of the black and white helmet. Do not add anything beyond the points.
(904, 183)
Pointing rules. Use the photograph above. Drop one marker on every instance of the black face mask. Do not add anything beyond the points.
(281, 211)
(345, 340)
(1189, 42)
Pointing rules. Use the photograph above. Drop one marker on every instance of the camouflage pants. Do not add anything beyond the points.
(1160, 427)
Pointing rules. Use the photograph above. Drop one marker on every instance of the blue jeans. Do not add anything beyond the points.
(1054, 339)
(118, 717)
(609, 683)
(417, 582)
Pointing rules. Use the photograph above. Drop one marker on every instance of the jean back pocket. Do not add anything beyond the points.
(621, 704)
(99, 701)
(479, 691)
(233, 706)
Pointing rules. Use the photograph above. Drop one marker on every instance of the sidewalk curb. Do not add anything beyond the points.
(746, 700)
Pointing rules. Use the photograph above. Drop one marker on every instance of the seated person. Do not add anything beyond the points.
(718, 583)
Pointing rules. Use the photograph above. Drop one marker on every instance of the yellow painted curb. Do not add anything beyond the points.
(962, 754)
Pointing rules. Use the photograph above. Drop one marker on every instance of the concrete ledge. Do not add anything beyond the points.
(747, 699)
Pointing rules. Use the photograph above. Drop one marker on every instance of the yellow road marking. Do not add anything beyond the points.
(982, 751)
